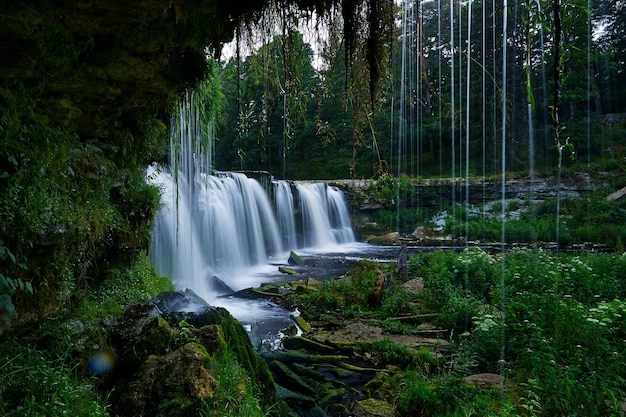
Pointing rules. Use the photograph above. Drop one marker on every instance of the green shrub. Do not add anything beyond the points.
(236, 393)
(397, 301)
(389, 353)
(123, 289)
(417, 397)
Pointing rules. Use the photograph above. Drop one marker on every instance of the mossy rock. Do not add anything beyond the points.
(310, 345)
(231, 330)
(302, 323)
(286, 377)
(287, 270)
(295, 259)
(176, 384)
(141, 332)
(371, 407)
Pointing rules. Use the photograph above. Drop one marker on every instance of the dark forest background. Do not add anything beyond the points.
(294, 108)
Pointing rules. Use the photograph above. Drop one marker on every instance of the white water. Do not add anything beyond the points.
(216, 233)
(228, 229)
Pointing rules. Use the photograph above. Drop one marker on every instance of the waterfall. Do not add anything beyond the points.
(214, 227)
(283, 200)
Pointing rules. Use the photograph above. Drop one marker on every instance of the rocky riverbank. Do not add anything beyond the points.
(330, 365)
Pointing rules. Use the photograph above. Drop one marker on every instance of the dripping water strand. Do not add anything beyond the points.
(453, 108)
(467, 117)
(503, 187)
(555, 112)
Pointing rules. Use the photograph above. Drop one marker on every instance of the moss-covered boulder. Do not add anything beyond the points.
(172, 354)
(187, 307)
(175, 384)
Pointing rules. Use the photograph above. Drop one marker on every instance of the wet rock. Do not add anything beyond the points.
(295, 259)
(140, 333)
(284, 376)
(166, 350)
(303, 343)
(294, 399)
(302, 324)
(304, 285)
(287, 270)
(219, 286)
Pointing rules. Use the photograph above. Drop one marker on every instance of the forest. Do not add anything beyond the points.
(296, 110)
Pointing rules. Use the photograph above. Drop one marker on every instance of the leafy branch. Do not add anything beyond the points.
(9, 285)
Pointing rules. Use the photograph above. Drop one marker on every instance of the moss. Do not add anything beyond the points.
(238, 341)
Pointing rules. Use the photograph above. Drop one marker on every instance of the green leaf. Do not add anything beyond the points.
(7, 305)
(4, 285)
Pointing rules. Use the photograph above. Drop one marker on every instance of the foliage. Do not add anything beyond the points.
(236, 393)
(350, 295)
(422, 360)
(585, 220)
(550, 324)
(122, 289)
(554, 323)
(9, 285)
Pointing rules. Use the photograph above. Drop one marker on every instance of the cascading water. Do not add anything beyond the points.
(214, 229)
(325, 219)
(283, 200)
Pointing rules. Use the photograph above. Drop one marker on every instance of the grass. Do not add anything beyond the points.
(51, 380)
(236, 393)
(122, 289)
(552, 325)
(33, 385)
(582, 220)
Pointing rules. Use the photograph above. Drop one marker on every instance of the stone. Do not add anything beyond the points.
(285, 377)
(371, 407)
(287, 270)
(295, 259)
(386, 239)
(425, 233)
(616, 195)
(301, 322)
(486, 380)
(303, 343)
(176, 384)
(177, 327)
(414, 286)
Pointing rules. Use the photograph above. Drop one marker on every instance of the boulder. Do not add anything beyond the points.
(166, 351)
(295, 259)
(414, 286)
(176, 384)
(387, 239)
